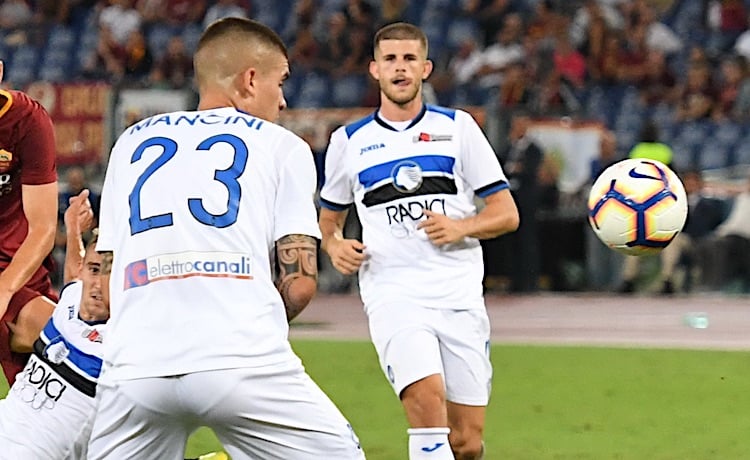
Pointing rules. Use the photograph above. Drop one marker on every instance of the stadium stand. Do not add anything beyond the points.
(614, 38)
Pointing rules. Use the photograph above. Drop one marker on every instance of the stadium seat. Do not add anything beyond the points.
(666, 133)
(713, 155)
(81, 57)
(631, 100)
(190, 36)
(291, 87)
(728, 133)
(684, 156)
(158, 37)
(314, 91)
(348, 91)
(330, 6)
(604, 102)
(443, 5)
(434, 24)
(688, 16)
(595, 104)
(276, 13)
(25, 56)
(460, 29)
(626, 139)
(5, 53)
(632, 120)
(54, 72)
(61, 37)
(55, 56)
(89, 39)
(692, 133)
(20, 75)
(663, 116)
(742, 151)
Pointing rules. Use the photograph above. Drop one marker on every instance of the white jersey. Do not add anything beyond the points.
(192, 205)
(50, 403)
(439, 162)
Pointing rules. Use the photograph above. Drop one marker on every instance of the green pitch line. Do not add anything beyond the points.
(559, 402)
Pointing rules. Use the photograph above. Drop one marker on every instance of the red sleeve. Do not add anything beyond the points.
(36, 145)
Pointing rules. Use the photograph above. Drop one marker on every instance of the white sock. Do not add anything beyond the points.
(429, 444)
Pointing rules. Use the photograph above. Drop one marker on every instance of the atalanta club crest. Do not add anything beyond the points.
(407, 176)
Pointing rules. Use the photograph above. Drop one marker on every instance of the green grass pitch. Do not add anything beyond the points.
(559, 402)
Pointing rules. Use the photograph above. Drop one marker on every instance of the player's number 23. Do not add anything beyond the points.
(228, 177)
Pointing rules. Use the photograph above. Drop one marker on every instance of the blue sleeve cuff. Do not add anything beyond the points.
(333, 206)
(488, 190)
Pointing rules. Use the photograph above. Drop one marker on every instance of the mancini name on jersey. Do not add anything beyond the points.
(187, 264)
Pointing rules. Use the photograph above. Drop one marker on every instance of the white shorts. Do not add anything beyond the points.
(43, 416)
(416, 342)
(274, 413)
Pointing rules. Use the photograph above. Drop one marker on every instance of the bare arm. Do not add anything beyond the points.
(331, 226)
(298, 272)
(78, 220)
(346, 254)
(498, 217)
(40, 208)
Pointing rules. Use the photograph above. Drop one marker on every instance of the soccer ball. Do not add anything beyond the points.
(637, 206)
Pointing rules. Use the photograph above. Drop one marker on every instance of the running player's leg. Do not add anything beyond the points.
(467, 427)
(464, 341)
(138, 419)
(273, 413)
(27, 313)
(409, 355)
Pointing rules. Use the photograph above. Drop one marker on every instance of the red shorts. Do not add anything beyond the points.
(13, 362)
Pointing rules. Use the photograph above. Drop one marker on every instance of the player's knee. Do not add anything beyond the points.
(466, 445)
(424, 393)
(424, 403)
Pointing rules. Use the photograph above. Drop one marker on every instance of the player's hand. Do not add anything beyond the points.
(2, 68)
(440, 228)
(79, 214)
(346, 255)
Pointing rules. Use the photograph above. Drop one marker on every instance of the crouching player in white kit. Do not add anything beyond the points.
(192, 206)
(413, 171)
(49, 406)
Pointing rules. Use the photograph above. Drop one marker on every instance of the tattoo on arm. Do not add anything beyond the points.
(297, 258)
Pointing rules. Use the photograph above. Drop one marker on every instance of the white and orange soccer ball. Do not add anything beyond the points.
(637, 206)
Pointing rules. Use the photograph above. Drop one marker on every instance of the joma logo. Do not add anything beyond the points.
(371, 147)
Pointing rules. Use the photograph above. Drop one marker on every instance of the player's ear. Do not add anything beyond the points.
(427, 69)
(374, 71)
(250, 81)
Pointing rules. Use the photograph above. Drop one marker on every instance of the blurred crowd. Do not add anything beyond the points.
(678, 66)
(544, 55)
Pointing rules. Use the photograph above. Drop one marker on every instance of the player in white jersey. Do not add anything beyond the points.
(50, 407)
(47, 410)
(192, 206)
(413, 170)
